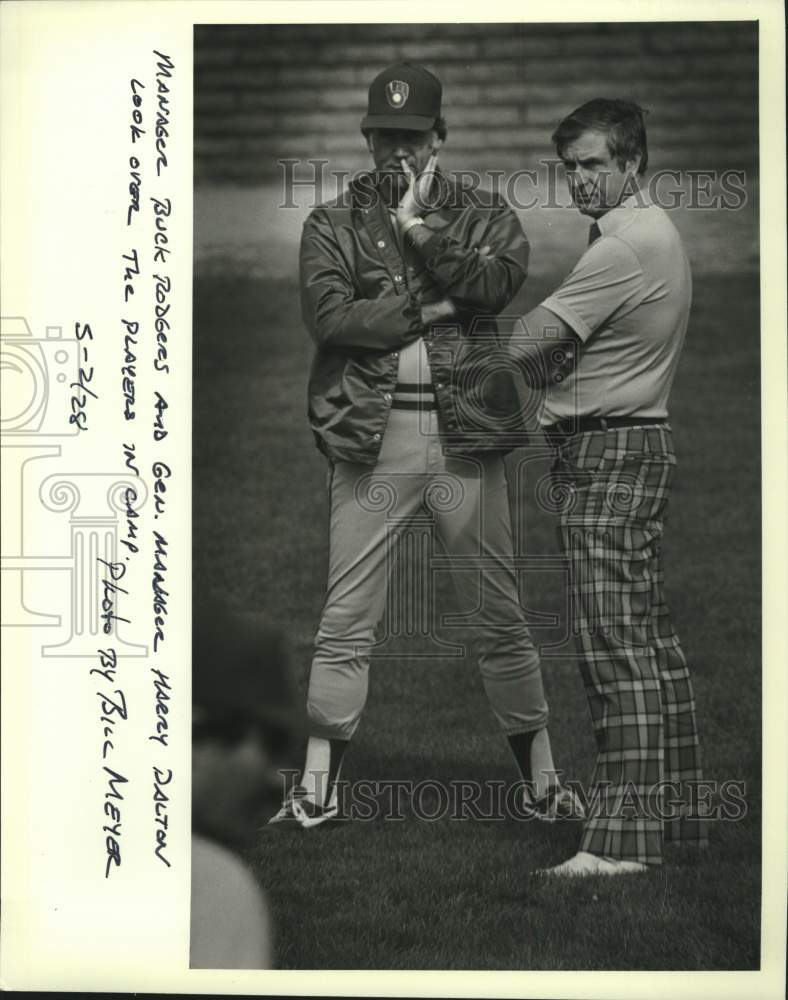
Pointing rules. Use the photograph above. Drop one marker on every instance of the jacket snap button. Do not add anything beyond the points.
(376, 437)
(439, 385)
(387, 396)
(398, 277)
(381, 244)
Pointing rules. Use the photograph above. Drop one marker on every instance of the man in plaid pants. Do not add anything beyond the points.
(623, 311)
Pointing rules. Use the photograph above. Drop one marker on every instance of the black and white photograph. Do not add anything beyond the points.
(477, 452)
(394, 436)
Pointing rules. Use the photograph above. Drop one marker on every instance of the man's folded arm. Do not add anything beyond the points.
(332, 311)
(472, 279)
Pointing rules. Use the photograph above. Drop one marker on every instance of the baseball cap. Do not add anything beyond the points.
(404, 96)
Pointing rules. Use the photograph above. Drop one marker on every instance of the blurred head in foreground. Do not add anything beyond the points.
(243, 721)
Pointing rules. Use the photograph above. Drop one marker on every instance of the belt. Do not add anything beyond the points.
(583, 425)
(414, 396)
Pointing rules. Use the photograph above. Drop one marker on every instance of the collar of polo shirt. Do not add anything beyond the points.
(611, 221)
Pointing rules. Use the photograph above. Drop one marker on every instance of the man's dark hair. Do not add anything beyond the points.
(623, 121)
(440, 128)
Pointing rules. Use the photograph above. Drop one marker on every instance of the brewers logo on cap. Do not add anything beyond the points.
(403, 96)
(397, 93)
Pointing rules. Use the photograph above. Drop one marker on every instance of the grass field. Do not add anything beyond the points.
(459, 894)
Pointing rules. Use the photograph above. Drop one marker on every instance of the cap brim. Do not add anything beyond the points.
(413, 123)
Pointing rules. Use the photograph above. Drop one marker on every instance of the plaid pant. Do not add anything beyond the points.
(614, 487)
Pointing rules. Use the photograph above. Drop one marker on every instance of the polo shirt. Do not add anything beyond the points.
(628, 301)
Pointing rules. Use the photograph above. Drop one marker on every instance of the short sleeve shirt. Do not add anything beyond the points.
(628, 301)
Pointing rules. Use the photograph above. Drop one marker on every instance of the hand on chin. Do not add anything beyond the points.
(392, 185)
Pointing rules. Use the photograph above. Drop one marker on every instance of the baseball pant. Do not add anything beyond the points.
(467, 502)
(615, 486)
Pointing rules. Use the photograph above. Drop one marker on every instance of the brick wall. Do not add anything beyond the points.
(264, 92)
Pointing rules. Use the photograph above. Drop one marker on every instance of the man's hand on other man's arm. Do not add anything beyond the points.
(545, 352)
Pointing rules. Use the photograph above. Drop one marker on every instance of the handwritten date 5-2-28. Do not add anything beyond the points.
(79, 398)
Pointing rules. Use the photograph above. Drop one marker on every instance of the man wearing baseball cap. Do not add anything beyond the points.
(407, 404)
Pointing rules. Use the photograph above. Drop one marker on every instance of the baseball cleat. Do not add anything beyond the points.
(559, 802)
(583, 864)
(298, 810)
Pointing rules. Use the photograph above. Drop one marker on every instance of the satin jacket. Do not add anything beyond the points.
(361, 301)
